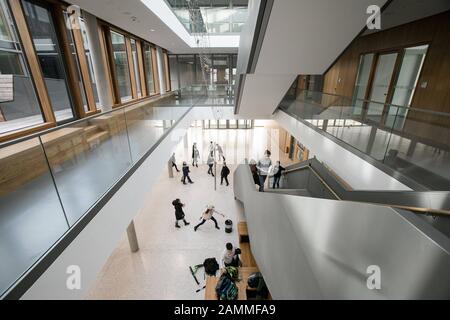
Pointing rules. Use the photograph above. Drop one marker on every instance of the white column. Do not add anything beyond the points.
(160, 62)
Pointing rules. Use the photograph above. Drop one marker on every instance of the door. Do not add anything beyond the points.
(380, 87)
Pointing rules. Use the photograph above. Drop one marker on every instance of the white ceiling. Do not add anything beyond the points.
(302, 37)
(134, 17)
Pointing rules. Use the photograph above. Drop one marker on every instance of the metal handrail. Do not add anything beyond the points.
(420, 210)
(380, 103)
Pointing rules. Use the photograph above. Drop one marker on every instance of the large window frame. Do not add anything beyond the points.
(140, 79)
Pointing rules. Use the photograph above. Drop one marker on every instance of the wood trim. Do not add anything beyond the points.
(141, 69)
(106, 65)
(24, 132)
(109, 53)
(67, 57)
(132, 73)
(33, 63)
(155, 71)
(84, 69)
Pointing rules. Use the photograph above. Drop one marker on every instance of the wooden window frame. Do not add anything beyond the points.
(167, 71)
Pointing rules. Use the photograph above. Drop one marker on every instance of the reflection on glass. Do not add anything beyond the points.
(86, 168)
(121, 65)
(31, 218)
(136, 67)
(42, 30)
(362, 81)
(406, 84)
(19, 106)
(381, 83)
(148, 59)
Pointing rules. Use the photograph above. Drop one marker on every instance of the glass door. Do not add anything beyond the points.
(406, 84)
(380, 87)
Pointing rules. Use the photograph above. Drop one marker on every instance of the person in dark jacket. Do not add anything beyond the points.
(277, 176)
(186, 172)
(224, 174)
(254, 171)
(179, 213)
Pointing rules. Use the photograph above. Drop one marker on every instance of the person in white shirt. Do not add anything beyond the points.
(264, 167)
(211, 163)
(195, 156)
(230, 257)
(208, 215)
(211, 149)
(220, 152)
(173, 162)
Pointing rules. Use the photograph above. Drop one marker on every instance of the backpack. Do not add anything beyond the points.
(211, 266)
(226, 289)
(253, 280)
(232, 273)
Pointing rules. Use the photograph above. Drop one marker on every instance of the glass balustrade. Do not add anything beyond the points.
(50, 181)
(414, 142)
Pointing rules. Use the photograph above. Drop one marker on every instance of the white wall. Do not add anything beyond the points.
(357, 172)
(309, 248)
(95, 243)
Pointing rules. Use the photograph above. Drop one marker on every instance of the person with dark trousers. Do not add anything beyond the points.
(173, 161)
(224, 174)
(208, 215)
(186, 172)
(195, 155)
(210, 163)
(277, 176)
(264, 165)
(254, 171)
(179, 213)
(230, 257)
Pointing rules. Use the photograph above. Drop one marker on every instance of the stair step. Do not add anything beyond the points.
(98, 137)
(90, 129)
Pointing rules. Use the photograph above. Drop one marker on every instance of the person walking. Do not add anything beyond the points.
(173, 161)
(179, 213)
(211, 149)
(264, 165)
(277, 176)
(224, 174)
(208, 215)
(195, 156)
(210, 163)
(220, 152)
(186, 172)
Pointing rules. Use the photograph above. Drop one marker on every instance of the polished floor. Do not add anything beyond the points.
(160, 270)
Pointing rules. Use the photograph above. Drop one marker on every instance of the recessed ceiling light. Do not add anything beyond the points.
(152, 30)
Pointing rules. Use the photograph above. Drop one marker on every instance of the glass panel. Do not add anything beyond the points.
(233, 124)
(42, 30)
(87, 158)
(186, 67)
(136, 67)
(31, 218)
(213, 124)
(149, 68)
(222, 124)
(121, 65)
(88, 50)
(381, 83)
(362, 81)
(19, 106)
(242, 124)
(147, 124)
(405, 86)
(174, 72)
(221, 70)
(203, 70)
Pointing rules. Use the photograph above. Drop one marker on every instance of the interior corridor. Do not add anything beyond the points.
(160, 269)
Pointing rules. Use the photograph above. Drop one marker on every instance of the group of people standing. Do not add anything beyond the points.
(207, 215)
(264, 168)
(225, 172)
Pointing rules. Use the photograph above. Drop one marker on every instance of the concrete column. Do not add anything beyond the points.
(101, 76)
(412, 148)
(132, 238)
(325, 125)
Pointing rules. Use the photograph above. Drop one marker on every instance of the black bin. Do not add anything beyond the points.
(228, 226)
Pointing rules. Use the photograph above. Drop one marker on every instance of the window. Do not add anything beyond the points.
(19, 105)
(42, 30)
(119, 53)
(149, 72)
